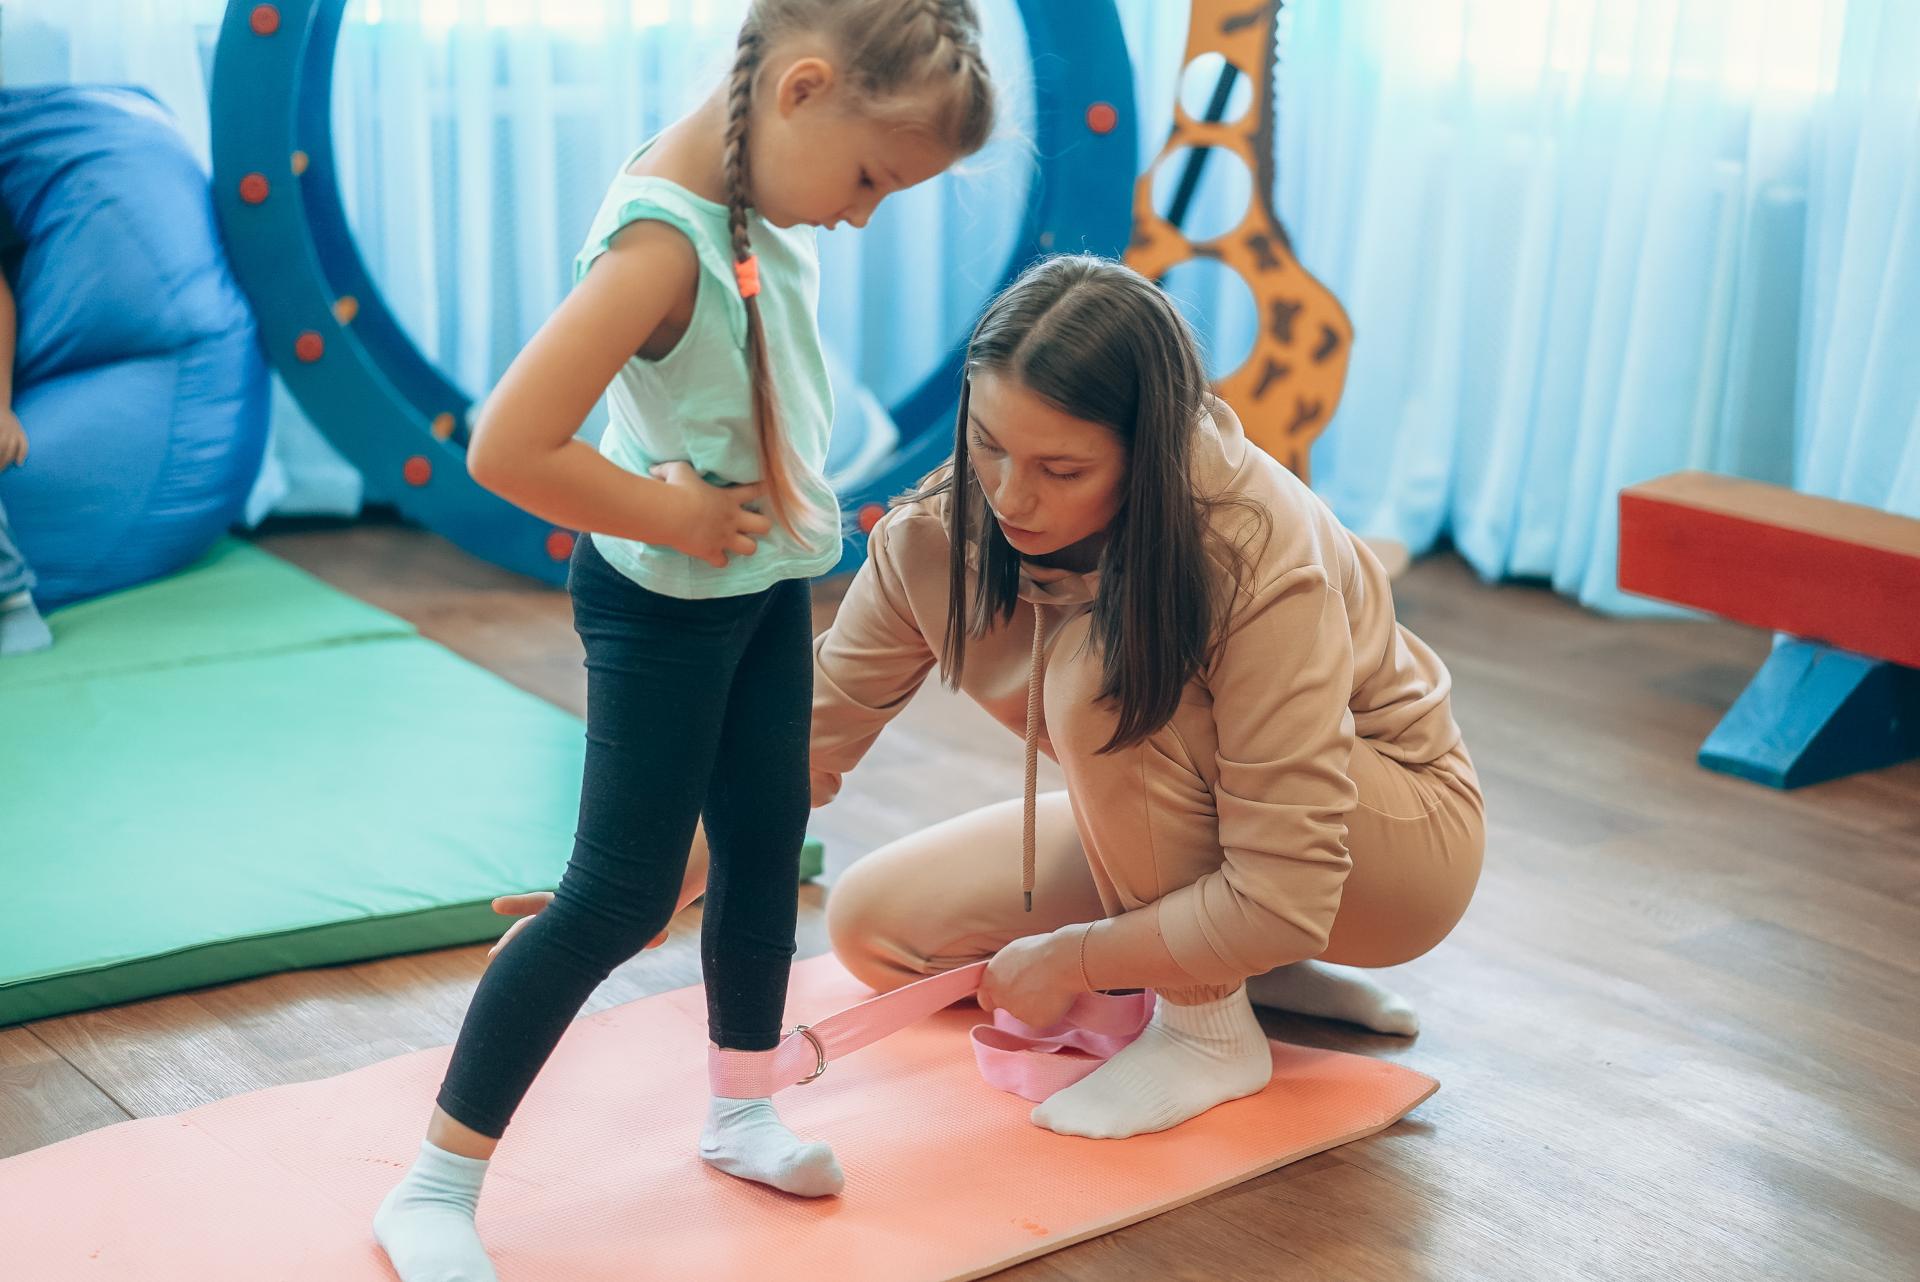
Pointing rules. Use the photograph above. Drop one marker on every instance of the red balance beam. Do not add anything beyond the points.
(1774, 558)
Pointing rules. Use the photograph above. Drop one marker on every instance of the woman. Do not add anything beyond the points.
(1262, 766)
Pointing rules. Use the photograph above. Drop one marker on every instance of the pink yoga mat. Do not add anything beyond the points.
(598, 1179)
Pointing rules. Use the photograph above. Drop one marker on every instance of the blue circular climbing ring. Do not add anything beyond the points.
(342, 354)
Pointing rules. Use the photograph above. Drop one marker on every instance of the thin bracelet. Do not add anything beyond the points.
(1085, 982)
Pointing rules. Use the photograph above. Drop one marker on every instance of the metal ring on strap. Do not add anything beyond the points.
(819, 1051)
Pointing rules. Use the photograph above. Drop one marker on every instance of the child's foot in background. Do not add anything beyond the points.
(21, 627)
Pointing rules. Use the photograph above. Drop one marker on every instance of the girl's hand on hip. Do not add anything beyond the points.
(1034, 979)
(712, 522)
(13, 439)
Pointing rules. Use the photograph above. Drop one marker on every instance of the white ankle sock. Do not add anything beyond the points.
(1334, 992)
(426, 1222)
(1189, 1059)
(745, 1137)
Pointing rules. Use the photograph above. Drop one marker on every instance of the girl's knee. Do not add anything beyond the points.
(605, 936)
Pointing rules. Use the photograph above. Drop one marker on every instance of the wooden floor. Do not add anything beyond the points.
(1678, 1035)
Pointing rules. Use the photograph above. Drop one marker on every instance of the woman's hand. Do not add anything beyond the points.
(1035, 979)
(526, 907)
(693, 884)
(711, 522)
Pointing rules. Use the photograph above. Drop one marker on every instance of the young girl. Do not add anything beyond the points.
(694, 298)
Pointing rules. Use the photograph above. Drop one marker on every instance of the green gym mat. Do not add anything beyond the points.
(237, 600)
(239, 770)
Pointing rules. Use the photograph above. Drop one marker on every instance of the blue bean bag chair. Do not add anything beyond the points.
(138, 376)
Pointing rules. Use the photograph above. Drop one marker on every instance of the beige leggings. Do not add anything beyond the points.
(950, 894)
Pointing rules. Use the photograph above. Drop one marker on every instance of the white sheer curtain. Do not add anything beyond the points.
(1586, 242)
(474, 140)
(1857, 387)
(476, 137)
(1583, 241)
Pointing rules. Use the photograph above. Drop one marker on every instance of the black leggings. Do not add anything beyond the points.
(694, 708)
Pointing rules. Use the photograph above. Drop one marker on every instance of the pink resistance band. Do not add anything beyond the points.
(1029, 1062)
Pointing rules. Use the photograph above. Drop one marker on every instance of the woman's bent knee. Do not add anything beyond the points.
(865, 928)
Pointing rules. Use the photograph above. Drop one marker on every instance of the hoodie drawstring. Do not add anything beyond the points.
(1028, 842)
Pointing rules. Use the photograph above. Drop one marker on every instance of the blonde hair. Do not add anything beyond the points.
(887, 48)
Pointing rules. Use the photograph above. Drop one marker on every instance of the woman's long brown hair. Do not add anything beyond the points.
(1104, 344)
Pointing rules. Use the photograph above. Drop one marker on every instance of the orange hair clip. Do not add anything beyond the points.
(747, 272)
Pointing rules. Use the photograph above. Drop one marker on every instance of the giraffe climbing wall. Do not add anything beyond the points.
(1287, 388)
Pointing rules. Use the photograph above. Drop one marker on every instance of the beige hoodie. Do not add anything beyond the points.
(1311, 657)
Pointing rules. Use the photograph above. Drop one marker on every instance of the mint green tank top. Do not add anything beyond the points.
(696, 402)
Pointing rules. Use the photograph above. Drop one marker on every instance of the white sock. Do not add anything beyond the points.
(1189, 1059)
(1334, 992)
(426, 1223)
(745, 1137)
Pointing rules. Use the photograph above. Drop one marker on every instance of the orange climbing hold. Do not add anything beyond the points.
(309, 347)
(254, 188)
(418, 471)
(345, 308)
(560, 545)
(298, 163)
(442, 427)
(1101, 117)
(265, 20)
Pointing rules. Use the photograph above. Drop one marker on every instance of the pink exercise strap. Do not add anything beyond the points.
(1032, 1063)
